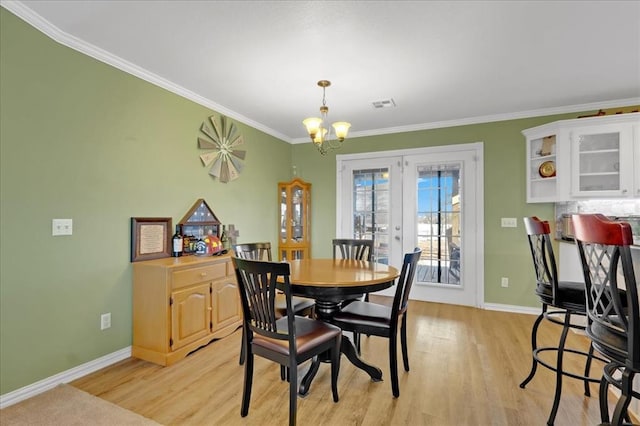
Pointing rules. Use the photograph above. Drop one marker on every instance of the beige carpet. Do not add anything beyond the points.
(66, 405)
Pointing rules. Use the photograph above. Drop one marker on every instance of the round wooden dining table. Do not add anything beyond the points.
(330, 282)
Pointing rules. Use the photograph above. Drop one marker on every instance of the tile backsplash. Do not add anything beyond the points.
(614, 207)
(611, 208)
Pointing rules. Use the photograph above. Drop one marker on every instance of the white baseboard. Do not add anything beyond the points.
(65, 377)
(511, 308)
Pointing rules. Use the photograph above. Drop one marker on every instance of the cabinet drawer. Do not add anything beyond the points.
(198, 275)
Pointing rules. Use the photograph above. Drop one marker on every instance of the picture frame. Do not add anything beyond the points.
(150, 238)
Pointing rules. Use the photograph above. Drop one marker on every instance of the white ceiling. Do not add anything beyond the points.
(443, 63)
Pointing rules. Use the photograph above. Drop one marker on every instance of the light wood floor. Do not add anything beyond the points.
(466, 364)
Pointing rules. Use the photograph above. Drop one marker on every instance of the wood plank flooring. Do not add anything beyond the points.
(466, 365)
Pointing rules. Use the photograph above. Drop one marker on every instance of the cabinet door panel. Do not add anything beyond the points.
(226, 306)
(190, 314)
(600, 157)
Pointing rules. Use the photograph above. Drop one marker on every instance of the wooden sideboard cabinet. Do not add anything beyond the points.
(181, 304)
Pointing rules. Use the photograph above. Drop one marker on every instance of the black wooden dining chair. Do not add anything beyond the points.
(353, 249)
(288, 340)
(567, 300)
(301, 305)
(612, 305)
(381, 320)
(356, 249)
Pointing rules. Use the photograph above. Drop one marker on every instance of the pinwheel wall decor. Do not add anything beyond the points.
(222, 140)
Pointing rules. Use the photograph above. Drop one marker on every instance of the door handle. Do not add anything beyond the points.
(397, 237)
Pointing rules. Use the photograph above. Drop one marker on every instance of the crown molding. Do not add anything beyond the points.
(491, 118)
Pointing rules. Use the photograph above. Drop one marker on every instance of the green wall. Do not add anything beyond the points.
(80, 139)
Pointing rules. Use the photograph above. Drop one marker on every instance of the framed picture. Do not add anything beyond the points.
(150, 238)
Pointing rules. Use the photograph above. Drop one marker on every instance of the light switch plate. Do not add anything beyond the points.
(509, 222)
(62, 227)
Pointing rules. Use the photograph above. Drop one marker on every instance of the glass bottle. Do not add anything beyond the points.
(177, 243)
(224, 239)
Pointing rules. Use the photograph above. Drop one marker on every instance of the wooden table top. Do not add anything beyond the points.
(340, 273)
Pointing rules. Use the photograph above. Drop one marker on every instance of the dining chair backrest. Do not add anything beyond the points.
(405, 281)
(611, 284)
(257, 283)
(544, 261)
(253, 251)
(353, 249)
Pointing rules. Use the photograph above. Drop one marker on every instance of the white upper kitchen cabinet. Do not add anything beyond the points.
(585, 158)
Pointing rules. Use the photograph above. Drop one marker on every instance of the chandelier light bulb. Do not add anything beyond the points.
(342, 129)
(320, 136)
(313, 126)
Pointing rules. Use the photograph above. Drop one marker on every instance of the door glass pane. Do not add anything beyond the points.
(371, 210)
(438, 223)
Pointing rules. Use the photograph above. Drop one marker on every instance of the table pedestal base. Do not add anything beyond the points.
(349, 350)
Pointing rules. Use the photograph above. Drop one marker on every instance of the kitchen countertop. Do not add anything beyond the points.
(633, 246)
(570, 266)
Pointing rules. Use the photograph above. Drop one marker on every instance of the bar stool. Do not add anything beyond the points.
(612, 305)
(567, 299)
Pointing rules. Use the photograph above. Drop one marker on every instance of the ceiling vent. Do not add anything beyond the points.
(385, 103)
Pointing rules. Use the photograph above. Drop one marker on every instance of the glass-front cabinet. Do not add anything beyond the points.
(295, 227)
(602, 158)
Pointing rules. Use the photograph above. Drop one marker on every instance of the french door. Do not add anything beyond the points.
(429, 198)
(371, 205)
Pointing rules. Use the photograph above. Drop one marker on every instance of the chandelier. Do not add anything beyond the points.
(321, 136)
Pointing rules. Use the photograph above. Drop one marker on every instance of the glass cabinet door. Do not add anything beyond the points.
(283, 214)
(297, 225)
(600, 156)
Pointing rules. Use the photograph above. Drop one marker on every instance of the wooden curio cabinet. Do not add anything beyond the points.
(294, 199)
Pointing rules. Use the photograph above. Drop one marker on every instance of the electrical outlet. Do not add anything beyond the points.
(504, 282)
(105, 321)
(509, 222)
(61, 227)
